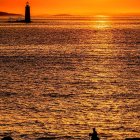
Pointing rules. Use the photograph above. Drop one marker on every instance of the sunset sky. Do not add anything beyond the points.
(72, 6)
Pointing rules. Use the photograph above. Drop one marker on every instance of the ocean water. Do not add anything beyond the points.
(60, 77)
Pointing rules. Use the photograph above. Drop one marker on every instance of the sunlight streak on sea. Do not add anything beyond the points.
(59, 78)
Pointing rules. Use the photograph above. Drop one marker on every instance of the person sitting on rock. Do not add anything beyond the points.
(94, 135)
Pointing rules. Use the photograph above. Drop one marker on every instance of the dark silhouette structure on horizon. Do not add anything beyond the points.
(27, 13)
(94, 135)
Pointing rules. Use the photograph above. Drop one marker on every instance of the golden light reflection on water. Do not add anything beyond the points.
(102, 22)
(69, 88)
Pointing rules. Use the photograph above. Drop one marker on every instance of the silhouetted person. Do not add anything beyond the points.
(94, 135)
(27, 13)
(7, 138)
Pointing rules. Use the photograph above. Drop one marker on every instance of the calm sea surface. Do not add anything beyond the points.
(59, 78)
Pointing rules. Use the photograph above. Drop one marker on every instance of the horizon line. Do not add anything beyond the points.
(76, 14)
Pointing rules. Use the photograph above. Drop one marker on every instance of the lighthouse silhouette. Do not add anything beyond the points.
(27, 13)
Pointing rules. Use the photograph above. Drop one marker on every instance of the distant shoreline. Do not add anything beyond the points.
(2, 14)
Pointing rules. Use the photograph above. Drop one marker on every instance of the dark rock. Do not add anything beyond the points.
(132, 139)
(7, 138)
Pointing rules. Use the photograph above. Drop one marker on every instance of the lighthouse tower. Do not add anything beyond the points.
(27, 13)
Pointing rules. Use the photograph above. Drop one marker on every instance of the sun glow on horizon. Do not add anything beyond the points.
(78, 7)
(102, 21)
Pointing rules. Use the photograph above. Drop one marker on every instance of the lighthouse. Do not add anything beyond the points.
(27, 13)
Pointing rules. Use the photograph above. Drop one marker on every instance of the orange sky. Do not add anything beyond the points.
(72, 6)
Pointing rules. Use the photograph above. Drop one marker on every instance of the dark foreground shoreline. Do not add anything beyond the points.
(53, 138)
